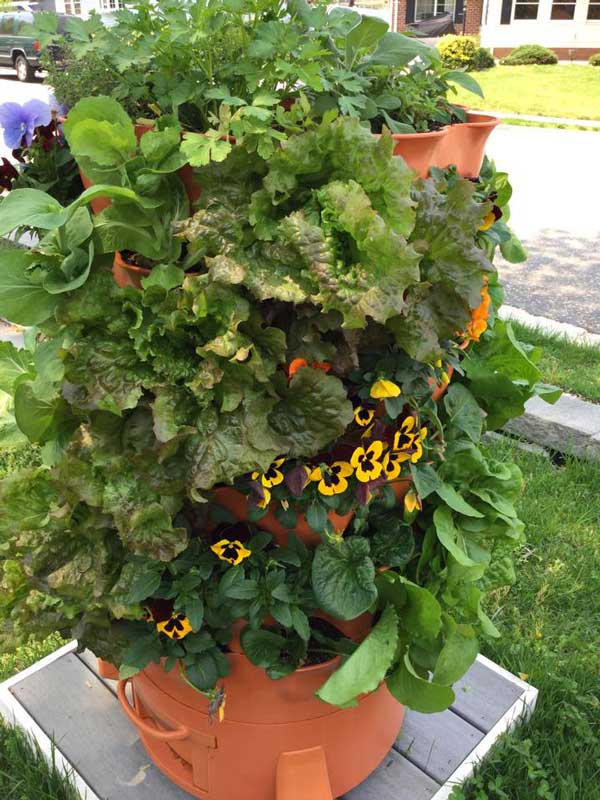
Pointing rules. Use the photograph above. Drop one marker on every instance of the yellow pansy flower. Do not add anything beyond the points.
(384, 388)
(404, 438)
(367, 463)
(363, 416)
(272, 476)
(418, 445)
(266, 499)
(392, 464)
(489, 219)
(177, 627)
(233, 552)
(332, 479)
(412, 502)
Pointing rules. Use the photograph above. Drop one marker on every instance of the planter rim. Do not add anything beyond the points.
(130, 267)
(420, 135)
(120, 261)
(475, 119)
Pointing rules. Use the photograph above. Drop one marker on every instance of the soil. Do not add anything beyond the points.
(136, 260)
(315, 653)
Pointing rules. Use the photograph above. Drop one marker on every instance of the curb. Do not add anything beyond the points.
(570, 426)
(572, 333)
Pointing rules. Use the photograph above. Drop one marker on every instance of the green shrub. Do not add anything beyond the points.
(595, 60)
(464, 52)
(530, 54)
(458, 52)
(27, 654)
(483, 59)
(72, 77)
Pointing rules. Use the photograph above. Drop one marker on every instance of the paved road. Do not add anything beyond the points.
(555, 209)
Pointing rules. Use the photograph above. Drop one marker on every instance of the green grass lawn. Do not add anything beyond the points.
(25, 774)
(550, 624)
(573, 367)
(559, 90)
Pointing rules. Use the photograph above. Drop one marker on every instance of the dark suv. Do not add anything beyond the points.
(17, 49)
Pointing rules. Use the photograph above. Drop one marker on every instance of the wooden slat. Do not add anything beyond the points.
(483, 696)
(396, 779)
(437, 743)
(70, 703)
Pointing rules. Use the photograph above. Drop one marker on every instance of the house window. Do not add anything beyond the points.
(426, 9)
(73, 7)
(562, 10)
(594, 10)
(526, 9)
(112, 5)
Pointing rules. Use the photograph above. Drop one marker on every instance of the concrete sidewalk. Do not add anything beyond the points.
(588, 123)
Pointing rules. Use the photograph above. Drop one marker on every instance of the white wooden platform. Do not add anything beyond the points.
(101, 747)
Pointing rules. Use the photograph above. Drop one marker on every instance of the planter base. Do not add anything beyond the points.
(61, 698)
(277, 741)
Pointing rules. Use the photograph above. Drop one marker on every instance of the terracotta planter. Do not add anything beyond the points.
(465, 144)
(420, 150)
(400, 487)
(237, 503)
(127, 274)
(107, 670)
(278, 740)
(100, 203)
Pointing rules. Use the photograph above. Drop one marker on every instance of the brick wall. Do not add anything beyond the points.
(398, 15)
(473, 16)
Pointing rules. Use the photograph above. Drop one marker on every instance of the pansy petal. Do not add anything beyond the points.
(384, 388)
(344, 469)
(375, 449)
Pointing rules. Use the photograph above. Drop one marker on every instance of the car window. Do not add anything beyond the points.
(21, 20)
(6, 24)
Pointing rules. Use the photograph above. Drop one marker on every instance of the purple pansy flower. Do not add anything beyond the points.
(59, 108)
(20, 121)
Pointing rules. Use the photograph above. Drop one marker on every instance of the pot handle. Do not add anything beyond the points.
(150, 730)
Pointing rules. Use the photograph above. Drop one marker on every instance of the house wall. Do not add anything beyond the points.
(83, 8)
(577, 38)
(402, 12)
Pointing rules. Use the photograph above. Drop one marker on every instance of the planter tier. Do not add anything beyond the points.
(462, 144)
(465, 144)
(419, 150)
(237, 504)
(278, 741)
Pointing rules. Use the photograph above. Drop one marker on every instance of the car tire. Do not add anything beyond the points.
(23, 68)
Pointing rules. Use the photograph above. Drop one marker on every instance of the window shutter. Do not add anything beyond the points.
(459, 11)
(506, 12)
(410, 11)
